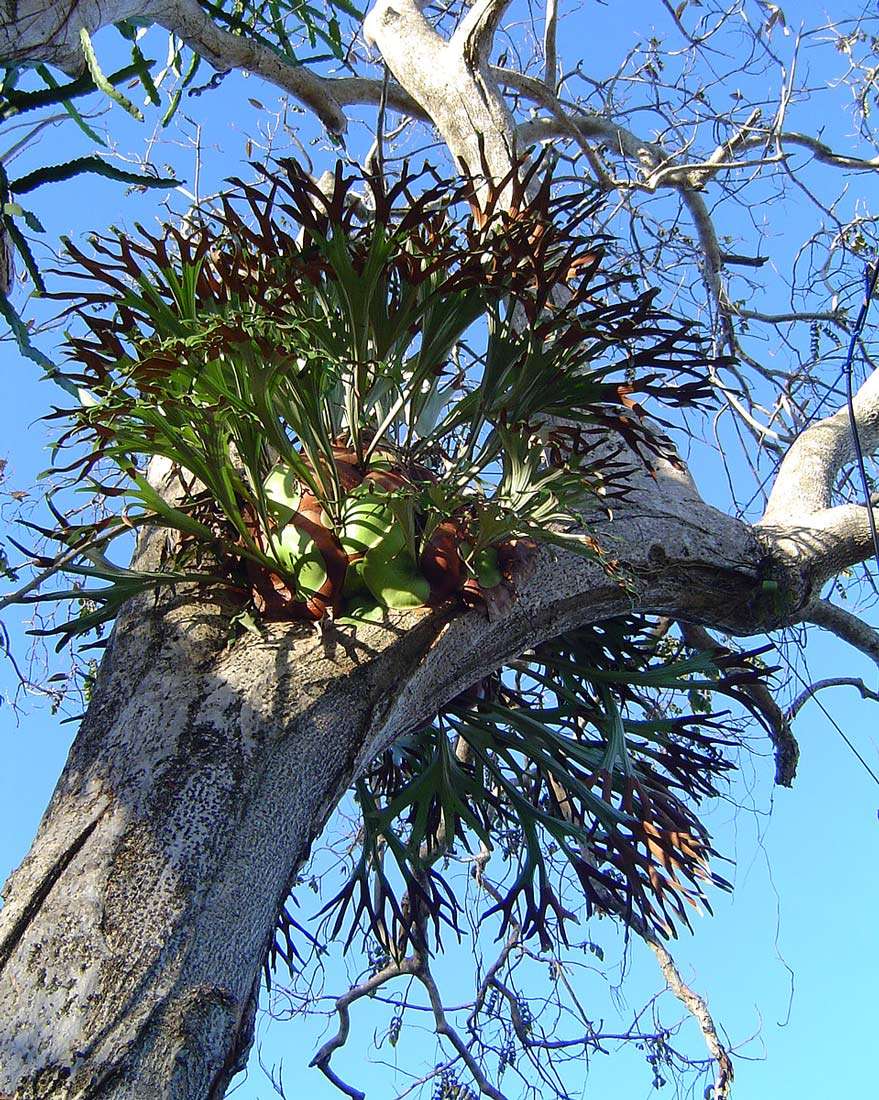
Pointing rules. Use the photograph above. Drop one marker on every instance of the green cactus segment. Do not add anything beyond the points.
(369, 522)
(283, 492)
(297, 552)
(394, 580)
(486, 568)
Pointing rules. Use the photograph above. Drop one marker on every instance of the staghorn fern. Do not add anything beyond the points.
(284, 339)
(366, 415)
(564, 752)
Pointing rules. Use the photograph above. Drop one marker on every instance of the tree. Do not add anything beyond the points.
(204, 769)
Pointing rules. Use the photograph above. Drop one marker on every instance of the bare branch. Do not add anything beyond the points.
(844, 625)
(822, 153)
(451, 79)
(322, 1059)
(830, 318)
(805, 481)
(23, 41)
(831, 682)
(698, 1008)
(445, 1029)
(476, 31)
(688, 997)
(550, 58)
(230, 51)
(673, 12)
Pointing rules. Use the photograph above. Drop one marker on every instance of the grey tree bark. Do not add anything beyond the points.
(132, 937)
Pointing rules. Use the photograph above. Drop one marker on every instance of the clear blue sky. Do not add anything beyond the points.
(789, 959)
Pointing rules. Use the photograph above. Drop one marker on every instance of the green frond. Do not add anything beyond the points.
(565, 751)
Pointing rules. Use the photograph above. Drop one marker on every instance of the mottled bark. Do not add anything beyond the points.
(133, 935)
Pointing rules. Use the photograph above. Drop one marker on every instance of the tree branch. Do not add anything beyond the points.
(445, 1029)
(805, 481)
(322, 1059)
(821, 685)
(225, 50)
(550, 57)
(475, 33)
(43, 32)
(844, 625)
(451, 79)
(698, 1009)
(691, 1000)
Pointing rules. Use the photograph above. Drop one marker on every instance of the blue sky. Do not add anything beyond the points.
(787, 963)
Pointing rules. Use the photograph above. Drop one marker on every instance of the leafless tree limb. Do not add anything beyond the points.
(407, 966)
(845, 625)
(831, 682)
(698, 1008)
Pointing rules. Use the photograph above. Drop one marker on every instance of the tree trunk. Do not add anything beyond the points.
(132, 939)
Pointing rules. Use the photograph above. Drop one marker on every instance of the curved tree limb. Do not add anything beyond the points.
(39, 32)
(225, 50)
(805, 481)
(821, 685)
(407, 966)
(698, 1009)
(844, 625)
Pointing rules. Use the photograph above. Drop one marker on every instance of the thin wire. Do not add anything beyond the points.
(870, 281)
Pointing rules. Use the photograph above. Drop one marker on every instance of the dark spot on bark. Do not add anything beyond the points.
(656, 555)
(47, 1084)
